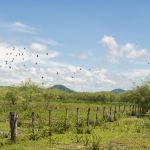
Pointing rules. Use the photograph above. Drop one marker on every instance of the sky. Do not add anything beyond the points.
(94, 45)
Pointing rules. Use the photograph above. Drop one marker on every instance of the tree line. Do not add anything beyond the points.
(28, 92)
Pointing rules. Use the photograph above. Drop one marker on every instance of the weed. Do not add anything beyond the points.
(86, 140)
(96, 143)
(79, 130)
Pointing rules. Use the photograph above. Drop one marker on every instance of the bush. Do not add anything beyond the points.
(11, 96)
(95, 143)
(79, 130)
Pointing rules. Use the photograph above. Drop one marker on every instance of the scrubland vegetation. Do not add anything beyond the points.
(128, 132)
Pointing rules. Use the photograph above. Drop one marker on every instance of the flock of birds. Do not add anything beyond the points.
(15, 54)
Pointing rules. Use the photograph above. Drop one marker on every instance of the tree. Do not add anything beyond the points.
(11, 96)
(143, 92)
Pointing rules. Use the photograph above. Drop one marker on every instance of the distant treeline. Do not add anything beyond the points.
(29, 91)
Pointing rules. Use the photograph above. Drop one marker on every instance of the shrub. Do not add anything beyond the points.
(95, 143)
(11, 96)
(79, 130)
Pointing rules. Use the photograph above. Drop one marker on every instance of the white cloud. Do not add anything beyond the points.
(48, 41)
(130, 78)
(110, 42)
(116, 51)
(136, 74)
(75, 77)
(131, 51)
(19, 27)
(37, 47)
(69, 75)
(113, 50)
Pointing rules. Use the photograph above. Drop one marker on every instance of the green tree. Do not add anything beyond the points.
(11, 96)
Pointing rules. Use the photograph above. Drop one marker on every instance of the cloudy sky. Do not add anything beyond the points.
(86, 45)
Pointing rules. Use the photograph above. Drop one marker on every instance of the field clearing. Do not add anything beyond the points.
(128, 132)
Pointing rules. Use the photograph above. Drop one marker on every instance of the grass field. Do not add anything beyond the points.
(127, 133)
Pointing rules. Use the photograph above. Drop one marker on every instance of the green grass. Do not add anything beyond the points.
(128, 133)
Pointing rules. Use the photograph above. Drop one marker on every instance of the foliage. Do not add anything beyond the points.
(131, 132)
(11, 97)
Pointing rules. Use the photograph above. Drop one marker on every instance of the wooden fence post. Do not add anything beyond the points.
(88, 117)
(104, 113)
(78, 119)
(96, 122)
(135, 110)
(66, 120)
(13, 126)
(143, 110)
(119, 111)
(138, 111)
(110, 113)
(132, 110)
(33, 124)
(124, 109)
(115, 113)
(50, 122)
(119, 108)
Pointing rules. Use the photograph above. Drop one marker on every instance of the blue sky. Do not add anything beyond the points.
(109, 37)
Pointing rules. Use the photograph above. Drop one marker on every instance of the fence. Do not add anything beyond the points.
(108, 114)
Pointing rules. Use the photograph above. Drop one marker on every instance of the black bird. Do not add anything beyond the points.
(46, 53)
(57, 73)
